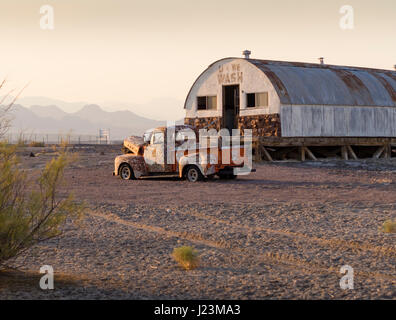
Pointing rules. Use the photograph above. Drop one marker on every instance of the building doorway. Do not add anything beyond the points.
(230, 107)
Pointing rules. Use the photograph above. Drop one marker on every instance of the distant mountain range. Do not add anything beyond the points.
(156, 109)
(51, 119)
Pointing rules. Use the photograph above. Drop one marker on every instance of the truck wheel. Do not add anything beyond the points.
(193, 174)
(126, 172)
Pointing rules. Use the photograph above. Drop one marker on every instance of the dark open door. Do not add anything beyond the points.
(230, 107)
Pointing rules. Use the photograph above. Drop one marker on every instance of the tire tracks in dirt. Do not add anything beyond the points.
(271, 257)
(331, 242)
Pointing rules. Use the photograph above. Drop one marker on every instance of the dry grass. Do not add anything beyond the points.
(382, 180)
(187, 257)
(36, 144)
(389, 226)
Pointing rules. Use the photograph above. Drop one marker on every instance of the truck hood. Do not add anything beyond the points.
(134, 144)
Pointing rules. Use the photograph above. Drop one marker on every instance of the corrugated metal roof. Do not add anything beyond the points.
(316, 84)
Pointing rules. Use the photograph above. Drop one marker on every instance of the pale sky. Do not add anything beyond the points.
(138, 51)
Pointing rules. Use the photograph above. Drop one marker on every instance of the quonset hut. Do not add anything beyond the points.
(294, 100)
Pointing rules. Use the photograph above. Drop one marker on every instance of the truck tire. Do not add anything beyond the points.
(126, 172)
(193, 174)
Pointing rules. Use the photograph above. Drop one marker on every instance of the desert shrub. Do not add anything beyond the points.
(5, 117)
(187, 257)
(22, 140)
(389, 226)
(36, 144)
(28, 217)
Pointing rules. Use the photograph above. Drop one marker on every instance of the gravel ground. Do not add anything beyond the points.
(280, 233)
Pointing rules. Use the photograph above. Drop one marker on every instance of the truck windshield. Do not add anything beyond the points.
(158, 138)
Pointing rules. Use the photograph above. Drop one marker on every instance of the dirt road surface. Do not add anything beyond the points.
(283, 232)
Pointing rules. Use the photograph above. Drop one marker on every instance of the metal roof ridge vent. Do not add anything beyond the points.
(247, 54)
(321, 60)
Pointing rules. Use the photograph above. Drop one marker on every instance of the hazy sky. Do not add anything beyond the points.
(137, 51)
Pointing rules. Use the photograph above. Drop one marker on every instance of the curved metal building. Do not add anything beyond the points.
(289, 99)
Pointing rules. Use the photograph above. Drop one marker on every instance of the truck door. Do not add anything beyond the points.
(154, 153)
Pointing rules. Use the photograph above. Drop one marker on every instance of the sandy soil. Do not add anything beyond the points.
(280, 233)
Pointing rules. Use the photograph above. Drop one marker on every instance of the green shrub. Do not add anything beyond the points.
(389, 226)
(28, 217)
(187, 257)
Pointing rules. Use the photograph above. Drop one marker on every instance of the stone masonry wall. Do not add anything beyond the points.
(208, 123)
(265, 125)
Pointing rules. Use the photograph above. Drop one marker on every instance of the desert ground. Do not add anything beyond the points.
(282, 232)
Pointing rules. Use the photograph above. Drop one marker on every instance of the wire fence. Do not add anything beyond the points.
(44, 138)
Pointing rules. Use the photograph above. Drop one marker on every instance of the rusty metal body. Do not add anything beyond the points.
(150, 158)
(317, 84)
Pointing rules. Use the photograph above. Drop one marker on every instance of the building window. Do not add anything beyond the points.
(201, 103)
(207, 103)
(251, 100)
(212, 103)
(257, 100)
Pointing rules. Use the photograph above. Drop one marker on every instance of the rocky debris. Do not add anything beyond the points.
(274, 251)
(281, 233)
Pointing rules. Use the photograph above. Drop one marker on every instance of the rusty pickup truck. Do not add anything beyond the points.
(167, 151)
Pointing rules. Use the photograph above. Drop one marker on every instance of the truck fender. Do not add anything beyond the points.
(137, 164)
(206, 169)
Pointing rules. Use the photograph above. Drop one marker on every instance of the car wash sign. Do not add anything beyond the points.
(229, 74)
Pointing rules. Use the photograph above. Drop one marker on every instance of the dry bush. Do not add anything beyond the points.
(187, 257)
(30, 217)
(5, 117)
(5, 120)
(389, 226)
(36, 144)
(383, 180)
